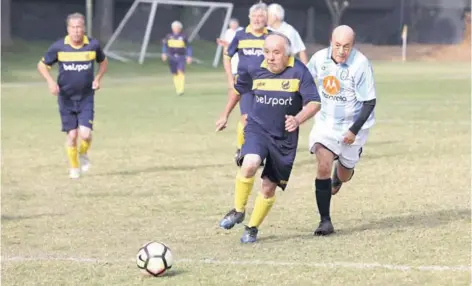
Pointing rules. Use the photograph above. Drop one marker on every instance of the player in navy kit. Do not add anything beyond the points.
(178, 52)
(285, 96)
(75, 87)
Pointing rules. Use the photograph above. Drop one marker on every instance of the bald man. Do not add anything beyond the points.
(285, 96)
(346, 84)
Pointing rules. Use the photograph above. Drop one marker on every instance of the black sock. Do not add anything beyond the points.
(323, 197)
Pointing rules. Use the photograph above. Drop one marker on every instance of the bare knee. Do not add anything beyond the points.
(325, 160)
(344, 174)
(251, 163)
(268, 188)
(85, 133)
(72, 137)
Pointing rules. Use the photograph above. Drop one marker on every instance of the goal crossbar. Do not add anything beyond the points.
(154, 3)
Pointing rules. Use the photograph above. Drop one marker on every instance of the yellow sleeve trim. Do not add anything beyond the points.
(42, 62)
(235, 91)
(228, 57)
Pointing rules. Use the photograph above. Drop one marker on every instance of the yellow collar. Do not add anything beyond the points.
(249, 31)
(291, 62)
(67, 41)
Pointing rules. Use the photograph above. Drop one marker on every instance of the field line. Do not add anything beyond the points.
(332, 265)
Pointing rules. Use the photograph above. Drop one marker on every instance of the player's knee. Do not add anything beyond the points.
(72, 137)
(85, 133)
(251, 163)
(268, 188)
(324, 168)
(344, 174)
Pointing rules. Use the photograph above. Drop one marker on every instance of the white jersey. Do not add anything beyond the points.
(342, 89)
(229, 35)
(292, 34)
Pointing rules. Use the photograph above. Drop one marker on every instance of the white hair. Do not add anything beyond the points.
(234, 20)
(177, 24)
(258, 7)
(288, 43)
(277, 10)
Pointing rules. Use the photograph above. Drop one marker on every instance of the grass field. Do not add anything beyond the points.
(161, 173)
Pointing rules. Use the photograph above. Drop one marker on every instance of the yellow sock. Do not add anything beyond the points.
(84, 146)
(181, 83)
(240, 135)
(243, 189)
(262, 207)
(72, 156)
(176, 79)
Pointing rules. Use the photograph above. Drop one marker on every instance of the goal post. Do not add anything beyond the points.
(139, 33)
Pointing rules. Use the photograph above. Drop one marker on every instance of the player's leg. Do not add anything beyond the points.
(69, 122)
(350, 155)
(325, 158)
(245, 105)
(86, 117)
(180, 75)
(173, 70)
(253, 152)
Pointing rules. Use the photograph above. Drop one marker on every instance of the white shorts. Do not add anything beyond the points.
(348, 155)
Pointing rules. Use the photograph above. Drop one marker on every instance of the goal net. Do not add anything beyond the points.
(139, 35)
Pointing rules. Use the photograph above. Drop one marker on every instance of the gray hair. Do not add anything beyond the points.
(177, 24)
(288, 43)
(234, 20)
(261, 6)
(75, 16)
(277, 10)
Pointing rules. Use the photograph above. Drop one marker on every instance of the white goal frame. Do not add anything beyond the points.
(117, 55)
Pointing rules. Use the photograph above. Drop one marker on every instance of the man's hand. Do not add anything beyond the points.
(53, 87)
(222, 43)
(164, 57)
(96, 84)
(349, 138)
(291, 123)
(221, 123)
(189, 60)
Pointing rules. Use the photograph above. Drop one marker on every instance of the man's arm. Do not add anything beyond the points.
(102, 66)
(299, 47)
(44, 65)
(365, 92)
(230, 52)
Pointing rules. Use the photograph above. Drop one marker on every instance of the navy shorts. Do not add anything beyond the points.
(245, 102)
(75, 113)
(177, 63)
(279, 154)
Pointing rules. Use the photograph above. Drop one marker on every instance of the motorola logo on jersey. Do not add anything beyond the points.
(273, 101)
(332, 88)
(77, 67)
(253, 52)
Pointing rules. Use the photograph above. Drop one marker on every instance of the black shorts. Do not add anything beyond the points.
(75, 113)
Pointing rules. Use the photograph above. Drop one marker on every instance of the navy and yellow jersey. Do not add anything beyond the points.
(76, 65)
(277, 95)
(249, 48)
(176, 44)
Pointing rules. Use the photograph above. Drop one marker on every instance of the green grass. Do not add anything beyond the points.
(161, 173)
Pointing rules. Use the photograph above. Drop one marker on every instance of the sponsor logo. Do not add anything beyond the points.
(77, 67)
(273, 101)
(332, 88)
(253, 52)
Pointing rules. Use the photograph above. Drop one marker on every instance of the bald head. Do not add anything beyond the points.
(277, 52)
(342, 41)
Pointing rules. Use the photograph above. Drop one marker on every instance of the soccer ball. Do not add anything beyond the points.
(154, 258)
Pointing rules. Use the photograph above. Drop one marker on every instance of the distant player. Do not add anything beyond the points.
(177, 49)
(277, 24)
(346, 84)
(247, 44)
(228, 38)
(75, 87)
(285, 97)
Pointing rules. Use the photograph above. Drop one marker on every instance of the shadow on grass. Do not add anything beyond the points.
(6, 218)
(164, 168)
(417, 221)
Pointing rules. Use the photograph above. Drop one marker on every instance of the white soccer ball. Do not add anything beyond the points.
(154, 258)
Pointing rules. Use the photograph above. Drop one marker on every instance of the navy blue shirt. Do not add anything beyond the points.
(176, 44)
(277, 95)
(76, 66)
(249, 48)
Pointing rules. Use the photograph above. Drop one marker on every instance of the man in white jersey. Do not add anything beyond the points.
(276, 23)
(228, 37)
(346, 86)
